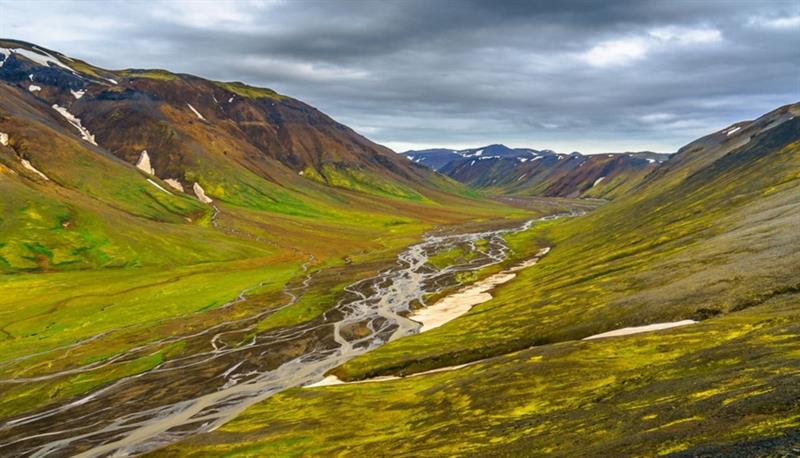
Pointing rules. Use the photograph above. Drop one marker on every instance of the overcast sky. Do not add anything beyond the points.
(586, 76)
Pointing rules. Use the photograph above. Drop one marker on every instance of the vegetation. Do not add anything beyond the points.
(250, 92)
(643, 395)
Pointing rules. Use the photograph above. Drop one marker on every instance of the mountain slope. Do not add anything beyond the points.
(712, 236)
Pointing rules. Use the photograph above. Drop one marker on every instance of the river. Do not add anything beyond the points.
(201, 392)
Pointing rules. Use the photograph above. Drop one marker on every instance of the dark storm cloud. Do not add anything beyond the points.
(589, 76)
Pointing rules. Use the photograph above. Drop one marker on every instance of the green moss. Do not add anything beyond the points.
(155, 74)
(250, 92)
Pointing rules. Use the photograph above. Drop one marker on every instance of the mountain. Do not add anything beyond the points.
(710, 236)
(199, 131)
(556, 175)
(438, 158)
(497, 169)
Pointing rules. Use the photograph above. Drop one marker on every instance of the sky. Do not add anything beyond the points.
(583, 76)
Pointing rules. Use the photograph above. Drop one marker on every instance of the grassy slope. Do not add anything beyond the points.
(716, 242)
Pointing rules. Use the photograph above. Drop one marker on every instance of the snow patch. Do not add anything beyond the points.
(77, 94)
(34, 88)
(638, 329)
(230, 100)
(733, 131)
(33, 169)
(597, 181)
(523, 159)
(158, 186)
(651, 161)
(3, 139)
(112, 80)
(40, 57)
(75, 123)
(201, 193)
(174, 183)
(143, 163)
(196, 112)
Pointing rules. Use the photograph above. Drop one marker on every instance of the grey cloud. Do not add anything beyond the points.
(419, 73)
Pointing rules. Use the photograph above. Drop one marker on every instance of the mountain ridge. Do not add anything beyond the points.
(498, 169)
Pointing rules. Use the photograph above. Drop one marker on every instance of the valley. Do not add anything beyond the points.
(193, 267)
(240, 365)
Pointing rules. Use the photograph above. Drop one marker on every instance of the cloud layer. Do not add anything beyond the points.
(587, 76)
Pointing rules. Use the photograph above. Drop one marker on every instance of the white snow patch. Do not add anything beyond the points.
(472, 163)
(523, 176)
(40, 57)
(196, 112)
(158, 186)
(77, 94)
(174, 183)
(76, 123)
(733, 131)
(523, 159)
(201, 193)
(638, 329)
(597, 181)
(230, 100)
(112, 80)
(651, 161)
(536, 158)
(3, 139)
(33, 169)
(30, 77)
(143, 163)
(34, 88)
(478, 153)
(301, 173)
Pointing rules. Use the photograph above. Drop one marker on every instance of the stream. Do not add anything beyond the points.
(201, 392)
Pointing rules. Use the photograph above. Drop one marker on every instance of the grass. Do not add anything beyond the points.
(645, 395)
(155, 74)
(250, 92)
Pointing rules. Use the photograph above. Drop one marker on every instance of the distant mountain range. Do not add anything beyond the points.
(499, 169)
